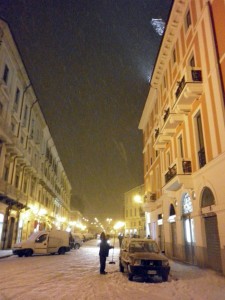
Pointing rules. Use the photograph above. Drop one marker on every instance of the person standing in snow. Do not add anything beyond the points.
(103, 252)
(120, 238)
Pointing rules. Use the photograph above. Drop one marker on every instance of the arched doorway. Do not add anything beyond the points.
(188, 225)
(211, 231)
(173, 229)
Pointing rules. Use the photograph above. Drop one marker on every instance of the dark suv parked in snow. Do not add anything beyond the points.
(142, 257)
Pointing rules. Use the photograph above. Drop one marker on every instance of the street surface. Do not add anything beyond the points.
(75, 275)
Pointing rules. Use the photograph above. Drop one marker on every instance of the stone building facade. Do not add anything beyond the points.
(35, 192)
(134, 214)
(183, 124)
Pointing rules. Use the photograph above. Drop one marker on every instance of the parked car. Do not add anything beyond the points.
(77, 241)
(43, 242)
(142, 257)
(88, 236)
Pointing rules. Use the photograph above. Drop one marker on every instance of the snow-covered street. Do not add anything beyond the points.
(75, 275)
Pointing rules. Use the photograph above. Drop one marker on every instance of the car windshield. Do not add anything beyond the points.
(144, 246)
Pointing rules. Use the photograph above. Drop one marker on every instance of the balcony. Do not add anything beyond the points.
(189, 89)
(171, 121)
(178, 174)
(149, 202)
(11, 195)
(162, 139)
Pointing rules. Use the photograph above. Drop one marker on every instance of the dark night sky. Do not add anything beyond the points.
(89, 62)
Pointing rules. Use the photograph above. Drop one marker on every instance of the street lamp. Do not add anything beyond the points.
(137, 199)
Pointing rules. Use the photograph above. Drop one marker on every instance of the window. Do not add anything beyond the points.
(41, 238)
(17, 180)
(6, 173)
(25, 186)
(21, 140)
(164, 82)
(188, 20)
(207, 197)
(168, 159)
(174, 56)
(13, 126)
(187, 204)
(200, 141)
(180, 146)
(192, 62)
(6, 74)
(16, 101)
(25, 116)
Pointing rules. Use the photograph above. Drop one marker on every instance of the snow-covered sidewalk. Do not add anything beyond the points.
(75, 275)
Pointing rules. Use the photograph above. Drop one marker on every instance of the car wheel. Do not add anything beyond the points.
(165, 277)
(77, 246)
(20, 255)
(130, 277)
(121, 267)
(61, 251)
(28, 252)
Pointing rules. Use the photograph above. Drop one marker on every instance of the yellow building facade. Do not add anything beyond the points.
(183, 124)
(35, 192)
(134, 214)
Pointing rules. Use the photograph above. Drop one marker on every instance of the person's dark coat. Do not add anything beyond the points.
(104, 248)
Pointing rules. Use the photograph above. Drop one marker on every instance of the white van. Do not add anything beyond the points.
(43, 242)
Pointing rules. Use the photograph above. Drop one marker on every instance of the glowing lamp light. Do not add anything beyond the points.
(118, 225)
(42, 212)
(137, 199)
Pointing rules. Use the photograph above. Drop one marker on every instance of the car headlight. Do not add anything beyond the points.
(165, 263)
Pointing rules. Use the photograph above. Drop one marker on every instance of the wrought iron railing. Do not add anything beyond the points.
(196, 76)
(171, 173)
(186, 166)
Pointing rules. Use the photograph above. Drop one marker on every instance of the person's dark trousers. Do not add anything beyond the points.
(102, 263)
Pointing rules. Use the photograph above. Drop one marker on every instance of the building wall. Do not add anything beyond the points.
(134, 213)
(35, 192)
(183, 128)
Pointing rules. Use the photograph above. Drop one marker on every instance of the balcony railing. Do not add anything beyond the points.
(172, 172)
(186, 165)
(180, 168)
(189, 88)
(166, 114)
(196, 76)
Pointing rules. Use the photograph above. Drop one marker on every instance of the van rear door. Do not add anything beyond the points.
(41, 244)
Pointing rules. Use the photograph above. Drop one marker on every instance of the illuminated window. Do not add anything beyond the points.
(187, 204)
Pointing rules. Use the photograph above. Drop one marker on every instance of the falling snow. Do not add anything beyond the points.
(158, 25)
(75, 275)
